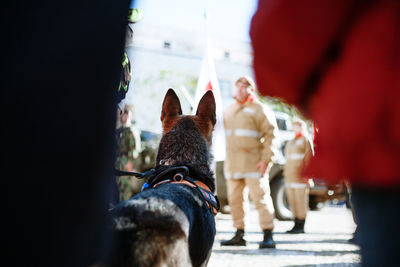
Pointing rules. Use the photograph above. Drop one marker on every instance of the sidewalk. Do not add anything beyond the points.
(324, 244)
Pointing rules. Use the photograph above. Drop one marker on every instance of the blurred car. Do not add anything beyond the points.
(320, 192)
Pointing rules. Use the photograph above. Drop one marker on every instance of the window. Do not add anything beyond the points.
(281, 124)
(167, 44)
(225, 87)
(227, 55)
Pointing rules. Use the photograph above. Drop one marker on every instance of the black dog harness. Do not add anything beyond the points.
(178, 175)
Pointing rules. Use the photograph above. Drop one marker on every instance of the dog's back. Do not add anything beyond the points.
(159, 225)
(151, 231)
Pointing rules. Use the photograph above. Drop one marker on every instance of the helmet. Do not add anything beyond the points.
(248, 80)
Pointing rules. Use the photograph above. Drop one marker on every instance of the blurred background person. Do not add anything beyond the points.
(249, 137)
(339, 61)
(297, 152)
(128, 149)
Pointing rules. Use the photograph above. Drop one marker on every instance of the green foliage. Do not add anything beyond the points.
(280, 105)
(191, 83)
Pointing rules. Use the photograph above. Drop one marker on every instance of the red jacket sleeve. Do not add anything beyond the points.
(289, 38)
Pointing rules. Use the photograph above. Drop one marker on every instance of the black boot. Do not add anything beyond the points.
(268, 242)
(298, 227)
(237, 240)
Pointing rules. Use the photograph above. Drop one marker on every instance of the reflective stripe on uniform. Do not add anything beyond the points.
(243, 132)
(296, 156)
(239, 175)
(249, 110)
(299, 142)
(246, 132)
(296, 185)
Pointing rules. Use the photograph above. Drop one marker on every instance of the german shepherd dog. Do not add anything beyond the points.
(171, 223)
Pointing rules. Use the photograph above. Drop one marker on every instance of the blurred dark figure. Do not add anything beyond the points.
(61, 65)
(130, 142)
(339, 61)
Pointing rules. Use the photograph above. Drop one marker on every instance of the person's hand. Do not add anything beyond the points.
(262, 167)
(129, 166)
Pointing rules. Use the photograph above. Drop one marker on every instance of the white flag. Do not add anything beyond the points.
(208, 81)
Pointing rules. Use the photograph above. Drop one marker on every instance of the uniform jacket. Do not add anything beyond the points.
(339, 61)
(246, 126)
(297, 152)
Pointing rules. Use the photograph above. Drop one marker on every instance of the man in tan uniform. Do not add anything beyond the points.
(249, 136)
(297, 152)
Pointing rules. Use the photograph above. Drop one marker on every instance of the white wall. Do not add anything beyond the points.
(156, 68)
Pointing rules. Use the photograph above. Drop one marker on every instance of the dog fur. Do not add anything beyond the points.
(171, 225)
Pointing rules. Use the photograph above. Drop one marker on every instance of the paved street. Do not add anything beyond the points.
(324, 244)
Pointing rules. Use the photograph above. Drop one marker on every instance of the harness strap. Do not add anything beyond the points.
(210, 199)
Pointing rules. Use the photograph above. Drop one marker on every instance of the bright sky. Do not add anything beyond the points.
(226, 18)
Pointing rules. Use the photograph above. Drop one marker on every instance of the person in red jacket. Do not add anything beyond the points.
(339, 62)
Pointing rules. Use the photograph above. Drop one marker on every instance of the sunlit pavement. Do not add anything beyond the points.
(325, 242)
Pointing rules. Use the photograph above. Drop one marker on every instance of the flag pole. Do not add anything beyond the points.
(208, 81)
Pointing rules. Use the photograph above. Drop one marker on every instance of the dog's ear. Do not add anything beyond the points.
(206, 108)
(171, 109)
(171, 106)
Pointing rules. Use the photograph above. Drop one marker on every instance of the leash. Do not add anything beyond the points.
(140, 175)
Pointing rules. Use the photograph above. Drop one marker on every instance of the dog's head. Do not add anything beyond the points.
(204, 119)
(186, 139)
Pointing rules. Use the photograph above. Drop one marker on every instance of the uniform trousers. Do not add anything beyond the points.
(297, 194)
(259, 195)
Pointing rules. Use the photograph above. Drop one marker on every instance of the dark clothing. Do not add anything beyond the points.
(60, 70)
(378, 217)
